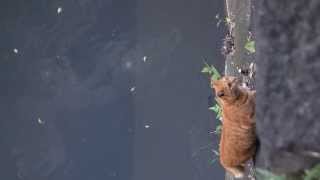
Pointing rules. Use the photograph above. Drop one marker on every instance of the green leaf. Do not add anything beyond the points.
(217, 110)
(313, 173)
(215, 73)
(250, 46)
(266, 175)
(214, 77)
(213, 108)
(227, 20)
(211, 71)
(218, 129)
(219, 113)
(213, 161)
(205, 69)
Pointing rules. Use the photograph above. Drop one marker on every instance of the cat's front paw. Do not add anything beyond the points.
(239, 175)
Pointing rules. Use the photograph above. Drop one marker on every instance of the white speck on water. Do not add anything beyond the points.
(218, 24)
(83, 140)
(217, 16)
(40, 121)
(15, 50)
(239, 70)
(133, 89)
(128, 64)
(146, 126)
(59, 10)
(145, 58)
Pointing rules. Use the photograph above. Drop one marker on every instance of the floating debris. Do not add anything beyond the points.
(40, 121)
(133, 89)
(144, 58)
(59, 10)
(15, 50)
(146, 126)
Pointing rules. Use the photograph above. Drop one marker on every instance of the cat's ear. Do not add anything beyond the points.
(229, 84)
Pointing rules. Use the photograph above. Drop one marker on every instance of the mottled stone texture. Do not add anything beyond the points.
(288, 83)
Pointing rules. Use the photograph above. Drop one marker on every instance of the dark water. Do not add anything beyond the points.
(107, 89)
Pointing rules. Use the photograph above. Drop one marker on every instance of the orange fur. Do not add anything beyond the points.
(238, 139)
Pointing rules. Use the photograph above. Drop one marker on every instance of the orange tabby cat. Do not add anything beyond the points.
(238, 140)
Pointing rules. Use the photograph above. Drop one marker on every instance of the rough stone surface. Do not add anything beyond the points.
(288, 84)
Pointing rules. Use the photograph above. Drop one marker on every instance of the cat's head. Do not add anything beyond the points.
(226, 88)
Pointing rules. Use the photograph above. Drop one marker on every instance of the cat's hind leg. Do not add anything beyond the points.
(237, 171)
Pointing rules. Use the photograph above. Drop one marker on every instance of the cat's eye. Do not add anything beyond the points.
(220, 94)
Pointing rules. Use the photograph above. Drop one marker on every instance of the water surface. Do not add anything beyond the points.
(94, 90)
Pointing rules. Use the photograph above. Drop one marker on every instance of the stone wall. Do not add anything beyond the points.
(288, 84)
